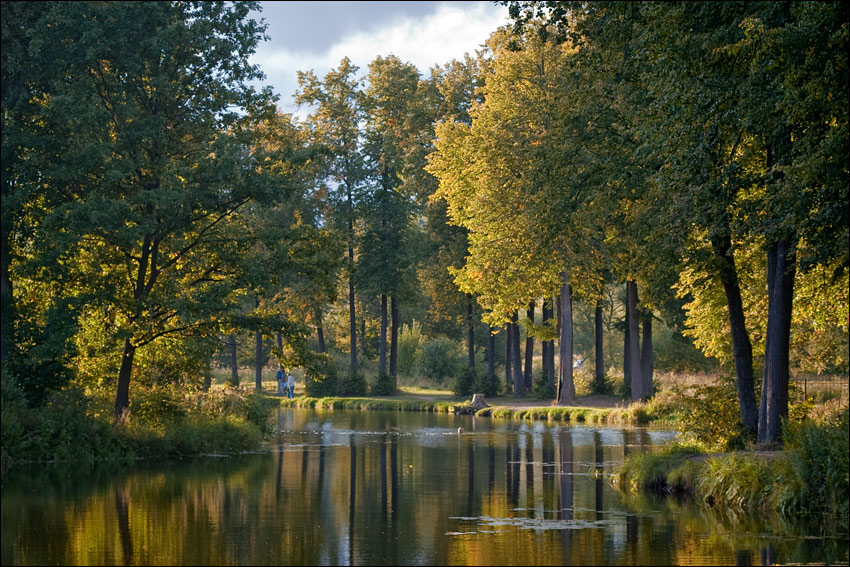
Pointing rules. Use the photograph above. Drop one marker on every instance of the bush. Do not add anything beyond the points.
(541, 388)
(158, 406)
(353, 383)
(464, 381)
(321, 377)
(410, 342)
(439, 359)
(709, 417)
(489, 388)
(384, 385)
(819, 465)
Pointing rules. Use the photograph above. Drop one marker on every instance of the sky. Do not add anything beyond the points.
(317, 35)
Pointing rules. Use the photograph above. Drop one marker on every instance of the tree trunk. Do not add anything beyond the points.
(566, 386)
(508, 372)
(6, 298)
(491, 356)
(549, 353)
(382, 345)
(352, 320)
(393, 339)
(634, 342)
(258, 362)
(646, 363)
(529, 350)
(599, 377)
(774, 396)
(122, 397)
(516, 359)
(320, 332)
(627, 339)
(742, 349)
(470, 333)
(207, 383)
(234, 368)
(280, 348)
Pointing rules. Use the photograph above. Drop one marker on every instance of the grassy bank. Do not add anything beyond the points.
(73, 428)
(807, 480)
(635, 414)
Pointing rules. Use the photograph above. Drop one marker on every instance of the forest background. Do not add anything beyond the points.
(645, 186)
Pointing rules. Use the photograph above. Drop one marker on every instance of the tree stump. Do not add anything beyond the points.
(478, 401)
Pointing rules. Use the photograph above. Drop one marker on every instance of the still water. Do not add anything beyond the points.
(385, 488)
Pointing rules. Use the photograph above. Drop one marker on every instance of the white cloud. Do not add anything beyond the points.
(447, 34)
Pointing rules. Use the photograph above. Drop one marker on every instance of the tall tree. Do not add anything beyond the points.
(335, 123)
(153, 121)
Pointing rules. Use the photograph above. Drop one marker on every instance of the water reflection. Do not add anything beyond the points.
(345, 488)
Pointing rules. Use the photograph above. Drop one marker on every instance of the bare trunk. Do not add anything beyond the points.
(566, 387)
(382, 345)
(491, 356)
(774, 396)
(258, 362)
(549, 353)
(280, 348)
(516, 360)
(599, 376)
(470, 333)
(352, 320)
(508, 373)
(529, 350)
(646, 363)
(634, 342)
(320, 332)
(122, 396)
(393, 339)
(234, 369)
(627, 358)
(742, 349)
(7, 311)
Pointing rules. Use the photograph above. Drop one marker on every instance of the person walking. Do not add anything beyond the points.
(291, 384)
(280, 382)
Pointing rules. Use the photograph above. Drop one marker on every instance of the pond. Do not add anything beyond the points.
(385, 488)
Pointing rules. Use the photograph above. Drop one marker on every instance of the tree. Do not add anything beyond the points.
(335, 125)
(152, 120)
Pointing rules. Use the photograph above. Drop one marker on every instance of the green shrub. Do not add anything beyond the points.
(709, 416)
(483, 385)
(321, 377)
(818, 466)
(464, 381)
(158, 406)
(410, 340)
(439, 359)
(384, 385)
(352, 383)
(541, 388)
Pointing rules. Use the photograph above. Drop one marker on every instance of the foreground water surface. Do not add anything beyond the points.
(386, 488)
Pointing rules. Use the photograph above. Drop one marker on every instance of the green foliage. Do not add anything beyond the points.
(483, 385)
(384, 385)
(464, 382)
(158, 406)
(736, 482)
(709, 416)
(815, 475)
(321, 377)
(542, 389)
(648, 471)
(352, 383)
(440, 359)
(410, 341)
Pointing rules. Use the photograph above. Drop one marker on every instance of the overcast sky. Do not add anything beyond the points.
(317, 35)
